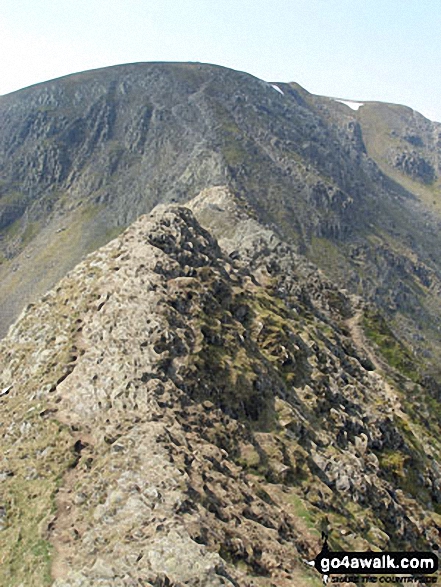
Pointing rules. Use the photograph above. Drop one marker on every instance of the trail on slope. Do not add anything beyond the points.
(382, 369)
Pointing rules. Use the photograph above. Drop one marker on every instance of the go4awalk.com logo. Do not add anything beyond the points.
(363, 567)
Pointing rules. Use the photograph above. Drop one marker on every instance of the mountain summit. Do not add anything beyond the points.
(228, 341)
(358, 192)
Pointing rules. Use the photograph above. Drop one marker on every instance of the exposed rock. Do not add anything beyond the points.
(190, 418)
(83, 156)
(415, 166)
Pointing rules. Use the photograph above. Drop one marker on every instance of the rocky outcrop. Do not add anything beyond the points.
(180, 411)
(412, 164)
(83, 156)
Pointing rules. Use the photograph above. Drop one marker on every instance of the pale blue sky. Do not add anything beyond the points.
(386, 50)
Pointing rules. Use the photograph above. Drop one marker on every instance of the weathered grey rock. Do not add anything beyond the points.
(83, 156)
(177, 414)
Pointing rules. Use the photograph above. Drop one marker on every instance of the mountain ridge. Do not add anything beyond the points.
(192, 414)
(271, 149)
(220, 304)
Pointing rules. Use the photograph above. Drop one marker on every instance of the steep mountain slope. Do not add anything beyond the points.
(406, 147)
(81, 157)
(179, 412)
(405, 144)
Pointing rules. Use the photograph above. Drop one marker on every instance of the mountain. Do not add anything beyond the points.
(356, 191)
(228, 338)
(174, 414)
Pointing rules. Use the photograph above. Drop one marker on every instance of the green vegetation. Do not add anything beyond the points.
(383, 127)
(232, 372)
(393, 461)
(36, 464)
(304, 511)
(390, 347)
(37, 449)
(31, 230)
(14, 199)
(326, 253)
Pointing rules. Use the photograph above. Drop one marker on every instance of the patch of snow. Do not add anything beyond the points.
(351, 103)
(5, 390)
(277, 89)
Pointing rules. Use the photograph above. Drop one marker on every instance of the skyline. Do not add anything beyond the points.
(385, 51)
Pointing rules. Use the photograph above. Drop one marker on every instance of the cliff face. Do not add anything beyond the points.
(186, 411)
(357, 192)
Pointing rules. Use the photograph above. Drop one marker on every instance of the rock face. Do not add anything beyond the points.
(253, 362)
(189, 410)
(357, 192)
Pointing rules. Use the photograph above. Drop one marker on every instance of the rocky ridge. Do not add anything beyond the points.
(358, 193)
(179, 411)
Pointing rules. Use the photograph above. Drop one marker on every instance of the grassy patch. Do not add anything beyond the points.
(301, 510)
(28, 496)
(37, 450)
(393, 461)
(391, 348)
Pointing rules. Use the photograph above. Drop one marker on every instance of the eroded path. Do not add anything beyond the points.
(382, 369)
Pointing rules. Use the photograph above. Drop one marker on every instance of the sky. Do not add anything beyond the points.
(387, 50)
